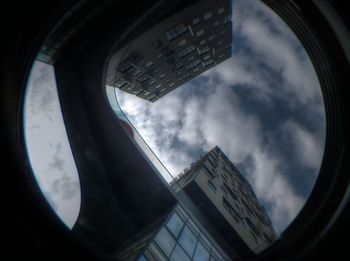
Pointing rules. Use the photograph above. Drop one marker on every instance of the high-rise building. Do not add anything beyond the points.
(174, 51)
(228, 201)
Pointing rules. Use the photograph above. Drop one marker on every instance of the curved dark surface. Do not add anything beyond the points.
(31, 229)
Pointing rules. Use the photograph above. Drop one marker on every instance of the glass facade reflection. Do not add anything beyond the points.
(178, 238)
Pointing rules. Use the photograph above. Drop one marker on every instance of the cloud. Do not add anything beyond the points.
(269, 66)
(271, 186)
(65, 187)
(307, 146)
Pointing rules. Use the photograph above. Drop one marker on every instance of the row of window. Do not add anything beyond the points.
(207, 16)
(180, 240)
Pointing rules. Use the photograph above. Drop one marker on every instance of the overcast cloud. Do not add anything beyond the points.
(263, 108)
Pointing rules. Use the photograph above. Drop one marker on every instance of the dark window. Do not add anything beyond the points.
(212, 185)
(124, 66)
(252, 226)
(210, 173)
(165, 241)
(201, 252)
(231, 210)
(157, 44)
(186, 51)
(193, 64)
(208, 63)
(188, 240)
(175, 225)
(179, 254)
(175, 32)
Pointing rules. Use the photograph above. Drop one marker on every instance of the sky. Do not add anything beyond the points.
(48, 147)
(263, 107)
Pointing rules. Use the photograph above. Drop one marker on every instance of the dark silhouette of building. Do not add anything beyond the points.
(174, 51)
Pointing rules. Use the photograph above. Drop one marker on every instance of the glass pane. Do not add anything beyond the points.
(175, 224)
(142, 258)
(188, 240)
(201, 253)
(165, 241)
(179, 254)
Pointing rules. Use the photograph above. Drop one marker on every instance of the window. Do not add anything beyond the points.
(148, 64)
(231, 210)
(151, 81)
(216, 23)
(124, 66)
(159, 56)
(163, 90)
(188, 240)
(201, 253)
(212, 162)
(224, 191)
(119, 83)
(143, 78)
(137, 91)
(175, 32)
(142, 258)
(209, 172)
(182, 42)
(155, 71)
(165, 241)
(186, 51)
(221, 10)
(157, 44)
(206, 57)
(162, 76)
(186, 75)
(208, 63)
(200, 32)
(221, 56)
(128, 86)
(207, 16)
(193, 64)
(171, 84)
(179, 254)
(179, 66)
(212, 186)
(136, 71)
(204, 49)
(196, 70)
(175, 224)
(202, 42)
(229, 190)
(195, 21)
(252, 227)
(212, 37)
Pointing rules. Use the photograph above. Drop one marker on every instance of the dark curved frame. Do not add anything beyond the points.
(32, 228)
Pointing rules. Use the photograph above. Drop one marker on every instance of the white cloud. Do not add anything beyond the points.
(307, 146)
(48, 146)
(272, 187)
(217, 117)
